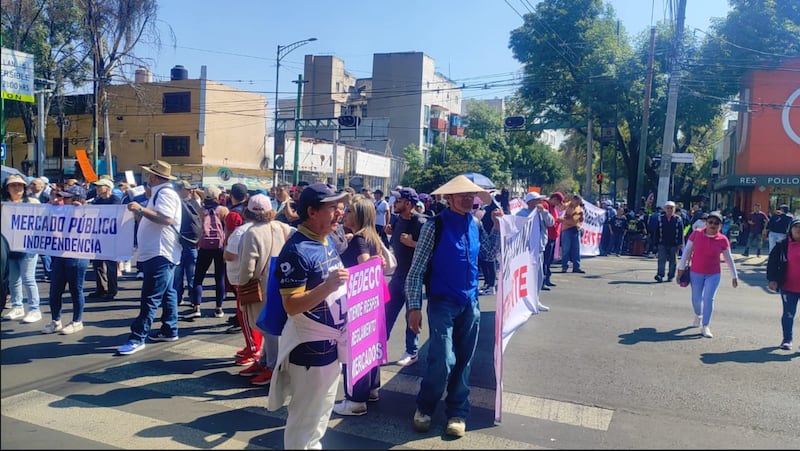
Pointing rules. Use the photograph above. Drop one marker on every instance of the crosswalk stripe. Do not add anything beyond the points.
(391, 431)
(94, 423)
(529, 406)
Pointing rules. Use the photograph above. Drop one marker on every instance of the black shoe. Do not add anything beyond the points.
(109, 296)
(563, 269)
(549, 284)
(97, 295)
(235, 329)
(579, 271)
(545, 288)
(669, 279)
(658, 278)
(745, 254)
(758, 254)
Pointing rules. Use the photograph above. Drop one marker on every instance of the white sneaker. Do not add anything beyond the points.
(72, 327)
(140, 275)
(15, 313)
(52, 327)
(407, 359)
(350, 408)
(543, 308)
(32, 316)
(698, 321)
(707, 332)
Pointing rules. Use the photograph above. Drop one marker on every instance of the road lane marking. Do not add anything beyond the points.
(573, 414)
(95, 423)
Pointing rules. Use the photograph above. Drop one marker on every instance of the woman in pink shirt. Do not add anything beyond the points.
(703, 249)
(783, 273)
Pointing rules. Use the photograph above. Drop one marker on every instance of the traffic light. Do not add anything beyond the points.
(514, 122)
(349, 121)
(599, 179)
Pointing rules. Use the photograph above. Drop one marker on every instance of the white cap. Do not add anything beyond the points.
(533, 195)
(669, 203)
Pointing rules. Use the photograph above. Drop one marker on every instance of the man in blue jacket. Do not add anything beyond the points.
(453, 310)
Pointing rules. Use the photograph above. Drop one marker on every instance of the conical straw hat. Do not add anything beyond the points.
(461, 184)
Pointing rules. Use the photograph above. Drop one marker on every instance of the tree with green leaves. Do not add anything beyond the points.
(113, 29)
(51, 31)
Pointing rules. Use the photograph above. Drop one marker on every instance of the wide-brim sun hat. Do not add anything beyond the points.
(161, 169)
(461, 184)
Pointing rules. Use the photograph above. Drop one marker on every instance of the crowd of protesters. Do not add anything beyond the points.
(300, 228)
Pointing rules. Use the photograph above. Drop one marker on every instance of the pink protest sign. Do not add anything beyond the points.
(366, 323)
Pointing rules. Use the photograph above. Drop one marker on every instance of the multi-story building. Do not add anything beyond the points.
(759, 158)
(211, 133)
(405, 89)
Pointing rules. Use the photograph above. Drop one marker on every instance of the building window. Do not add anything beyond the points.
(177, 102)
(57, 149)
(338, 87)
(174, 146)
(364, 111)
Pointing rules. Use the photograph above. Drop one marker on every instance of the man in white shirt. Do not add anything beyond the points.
(381, 215)
(159, 252)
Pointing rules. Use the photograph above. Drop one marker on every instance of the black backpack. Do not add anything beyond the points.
(191, 224)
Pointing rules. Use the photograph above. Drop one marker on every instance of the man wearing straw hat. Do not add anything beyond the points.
(453, 310)
(159, 252)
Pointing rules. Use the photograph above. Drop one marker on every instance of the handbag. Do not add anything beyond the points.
(685, 279)
(251, 292)
(389, 258)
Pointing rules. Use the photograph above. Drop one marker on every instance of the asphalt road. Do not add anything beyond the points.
(614, 364)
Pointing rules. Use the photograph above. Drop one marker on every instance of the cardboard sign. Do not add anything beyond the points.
(86, 166)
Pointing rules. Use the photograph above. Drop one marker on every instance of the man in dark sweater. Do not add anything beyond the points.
(105, 271)
(668, 239)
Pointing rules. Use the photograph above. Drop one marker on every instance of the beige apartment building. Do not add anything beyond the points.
(419, 103)
(211, 133)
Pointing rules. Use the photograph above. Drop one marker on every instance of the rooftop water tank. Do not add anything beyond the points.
(179, 73)
(143, 75)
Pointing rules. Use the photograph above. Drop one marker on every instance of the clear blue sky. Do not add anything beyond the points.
(237, 39)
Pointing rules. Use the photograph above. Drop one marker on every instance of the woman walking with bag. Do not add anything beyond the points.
(703, 250)
(264, 239)
(783, 274)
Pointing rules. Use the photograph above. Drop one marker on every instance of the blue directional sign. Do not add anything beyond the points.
(3, 151)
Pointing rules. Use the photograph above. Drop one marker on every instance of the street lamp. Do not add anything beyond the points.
(283, 50)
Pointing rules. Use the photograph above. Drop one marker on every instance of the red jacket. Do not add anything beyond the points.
(555, 230)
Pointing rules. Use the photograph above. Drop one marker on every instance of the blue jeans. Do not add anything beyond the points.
(157, 290)
(70, 271)
(396, 303)
(667, 254)
(571, 247)
(704, 288)
(789, 299)
(618, 239)
(185, 270)
(453, 338)
(47, 265)
(22, 276)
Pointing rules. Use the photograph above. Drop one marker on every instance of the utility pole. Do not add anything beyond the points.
(672, 107)
(645, 119)
(299, 81)
(587, 190)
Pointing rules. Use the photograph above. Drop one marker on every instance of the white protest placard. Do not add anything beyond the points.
(592, 230)
(130, 178)
(517, 296)
(97, 232)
